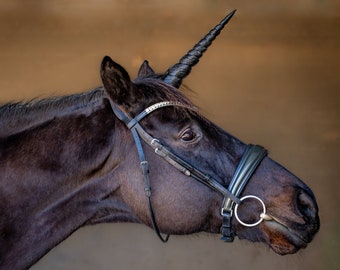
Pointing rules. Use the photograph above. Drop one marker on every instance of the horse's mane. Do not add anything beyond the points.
(75, 102)
(20, 115)
(16, 117)
(152, 88)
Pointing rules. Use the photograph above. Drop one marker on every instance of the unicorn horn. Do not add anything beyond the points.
(175, 74)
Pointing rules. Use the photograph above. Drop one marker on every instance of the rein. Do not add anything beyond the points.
(250, 160)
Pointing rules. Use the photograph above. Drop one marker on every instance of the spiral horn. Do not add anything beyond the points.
(175, 74)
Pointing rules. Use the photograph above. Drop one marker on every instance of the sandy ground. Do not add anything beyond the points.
(271, 78)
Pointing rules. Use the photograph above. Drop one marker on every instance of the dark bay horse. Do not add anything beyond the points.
(139, 151)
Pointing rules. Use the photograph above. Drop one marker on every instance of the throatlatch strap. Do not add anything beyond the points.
(147, 187)
(144, 167)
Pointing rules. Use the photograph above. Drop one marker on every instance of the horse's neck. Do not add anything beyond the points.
(54, 178)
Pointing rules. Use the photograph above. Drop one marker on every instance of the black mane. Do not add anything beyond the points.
(16, 117)
(75, 101)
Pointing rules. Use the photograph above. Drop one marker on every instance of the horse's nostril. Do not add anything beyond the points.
(306, 205)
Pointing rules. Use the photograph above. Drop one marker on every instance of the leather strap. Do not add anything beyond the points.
(250, 160)
(147, 188)
(144, 167)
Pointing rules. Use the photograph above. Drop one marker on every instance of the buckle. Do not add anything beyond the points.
(226, 229)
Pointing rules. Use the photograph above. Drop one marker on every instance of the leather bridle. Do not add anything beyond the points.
(250, 160)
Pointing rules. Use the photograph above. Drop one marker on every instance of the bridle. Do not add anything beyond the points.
(250, 160)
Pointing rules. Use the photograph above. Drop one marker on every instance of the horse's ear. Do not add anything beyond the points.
(116, 81)
(145, 70)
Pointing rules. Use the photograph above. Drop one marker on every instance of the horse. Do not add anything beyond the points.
(139, 151)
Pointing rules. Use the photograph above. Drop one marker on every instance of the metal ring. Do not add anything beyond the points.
(262, 215)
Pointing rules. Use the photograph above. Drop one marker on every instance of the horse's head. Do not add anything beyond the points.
(194, 146)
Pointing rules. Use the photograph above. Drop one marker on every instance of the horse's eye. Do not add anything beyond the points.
(188, 136)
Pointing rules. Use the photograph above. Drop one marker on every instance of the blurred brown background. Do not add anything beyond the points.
(272, 78)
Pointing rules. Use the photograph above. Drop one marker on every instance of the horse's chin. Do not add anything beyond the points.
(282, 239)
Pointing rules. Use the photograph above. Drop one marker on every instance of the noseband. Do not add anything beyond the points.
(250, 160)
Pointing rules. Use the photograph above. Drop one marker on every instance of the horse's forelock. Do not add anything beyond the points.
(157, 90)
